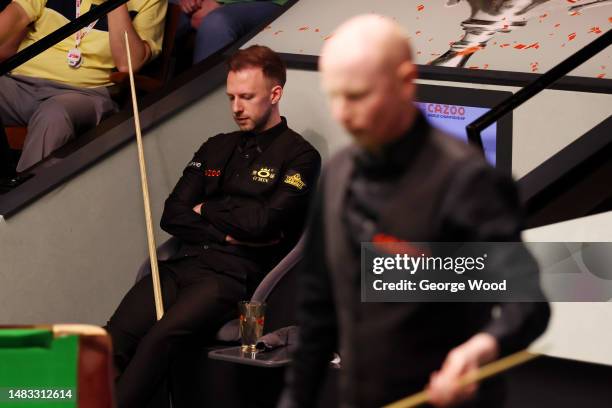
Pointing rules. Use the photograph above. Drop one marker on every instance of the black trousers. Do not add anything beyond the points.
(198, 300)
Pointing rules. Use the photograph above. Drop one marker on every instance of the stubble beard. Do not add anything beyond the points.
(258, 126)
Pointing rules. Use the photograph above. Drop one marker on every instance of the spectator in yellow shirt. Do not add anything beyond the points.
(63, 91)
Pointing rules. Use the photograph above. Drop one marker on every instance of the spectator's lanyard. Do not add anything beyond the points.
(75, 58)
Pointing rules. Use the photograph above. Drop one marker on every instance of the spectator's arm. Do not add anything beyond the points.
(119, 22)
(249, 219)
(11, 46)
(13, 25)
(149, 24)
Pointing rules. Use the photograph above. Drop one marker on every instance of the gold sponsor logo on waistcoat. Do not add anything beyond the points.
(263, 175)
(295, 180)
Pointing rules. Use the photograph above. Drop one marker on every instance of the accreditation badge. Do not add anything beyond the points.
(75, 59)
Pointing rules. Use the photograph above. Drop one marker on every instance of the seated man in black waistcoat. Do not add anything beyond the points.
(238, 209)
(400, 181)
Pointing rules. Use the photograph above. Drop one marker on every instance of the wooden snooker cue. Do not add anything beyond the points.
(483, 372)
(159, 306)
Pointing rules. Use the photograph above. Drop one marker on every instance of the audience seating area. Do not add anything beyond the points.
(153, 77)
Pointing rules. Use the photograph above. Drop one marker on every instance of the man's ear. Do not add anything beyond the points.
(407, 74)
(275, 94)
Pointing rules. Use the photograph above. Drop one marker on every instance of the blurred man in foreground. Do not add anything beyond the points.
(401, 181)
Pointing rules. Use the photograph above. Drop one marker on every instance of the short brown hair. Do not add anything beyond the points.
(262, 57)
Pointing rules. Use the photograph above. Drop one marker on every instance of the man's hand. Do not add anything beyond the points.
(206, 6)
(198, 208)
(189, 6)
(443, 387)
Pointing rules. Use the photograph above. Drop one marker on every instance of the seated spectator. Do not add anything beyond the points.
(219, 23)
(63, 91)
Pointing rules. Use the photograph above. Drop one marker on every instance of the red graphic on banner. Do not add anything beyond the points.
(470, 50)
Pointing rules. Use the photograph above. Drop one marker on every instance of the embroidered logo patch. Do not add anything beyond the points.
(195, 164)
(212, 173)
(295, 181)
(263, 175)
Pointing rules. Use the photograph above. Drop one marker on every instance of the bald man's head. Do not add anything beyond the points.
(368, 74)
(371, 39)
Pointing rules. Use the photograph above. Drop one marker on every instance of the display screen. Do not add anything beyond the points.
(453, 120)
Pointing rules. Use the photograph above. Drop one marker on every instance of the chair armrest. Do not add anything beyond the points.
(164, 252)
(268, 283)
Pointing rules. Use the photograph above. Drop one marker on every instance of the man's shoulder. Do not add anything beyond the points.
(293, 138)
(463, 162)
(217, 143)
(442, 155)
(223, 138)
(448, 147)
(343, 155)
(294, 145)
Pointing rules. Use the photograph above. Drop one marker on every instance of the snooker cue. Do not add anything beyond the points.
(488, 370)
(159, 306)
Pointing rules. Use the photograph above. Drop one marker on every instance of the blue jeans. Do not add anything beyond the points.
(227, 24)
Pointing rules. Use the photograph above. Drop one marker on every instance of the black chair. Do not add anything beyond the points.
(198, 381)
